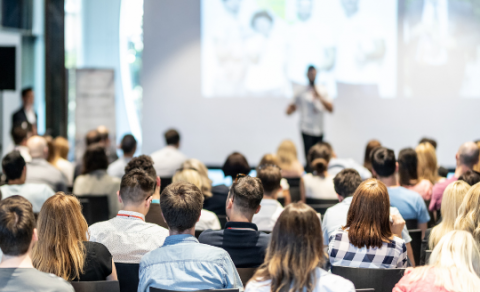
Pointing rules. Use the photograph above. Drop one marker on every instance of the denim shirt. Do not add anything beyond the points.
(184, 264)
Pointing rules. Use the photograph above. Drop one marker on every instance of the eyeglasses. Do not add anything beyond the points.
(239, 176)
(263, 166)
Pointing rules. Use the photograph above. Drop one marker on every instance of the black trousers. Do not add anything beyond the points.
(308, 142)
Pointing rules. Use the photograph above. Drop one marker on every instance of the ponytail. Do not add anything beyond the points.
(320, 165)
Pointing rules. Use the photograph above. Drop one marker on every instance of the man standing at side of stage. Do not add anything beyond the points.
(311, 101)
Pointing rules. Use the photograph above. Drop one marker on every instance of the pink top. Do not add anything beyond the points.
(423, 285)
(424, 188)
(437, 193)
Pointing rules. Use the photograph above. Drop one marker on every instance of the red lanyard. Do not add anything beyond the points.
(126, 215)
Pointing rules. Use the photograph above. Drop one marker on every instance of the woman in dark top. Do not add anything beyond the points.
(62, 226)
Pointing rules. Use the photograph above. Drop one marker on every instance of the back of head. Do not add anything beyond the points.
(143, 162)
(247, 193)
(477, 166)
(94, 158)
(407, 167)
(452, 199)
(13, 165)
(383, 161)
(270, 175)
(189, 176)
(429, 141)
(37, 146)
(61, 225)
(269, 159)
(93, 137)
(427, 162)
(235, 164)
(470, 177)
(52, 153)
(202, 170)
(346, 182)
(181, 205)
(371, 145)
(287, 153)
(17, 223)
(469, 213)
(62, 147)
(319, 156)
(368, 219)
(19, 134)
(295, 250)
(172, 137)
(468, 154)
(104, 132)
(136, 187)
(128, 144)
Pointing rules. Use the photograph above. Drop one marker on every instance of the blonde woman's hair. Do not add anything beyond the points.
(427, 162)
(452, 199)
(469, 213)
(189, 176)
(455, 262)
(61, 232)
(61, 147)
(287, 153)
(203, 172)
(476, 167)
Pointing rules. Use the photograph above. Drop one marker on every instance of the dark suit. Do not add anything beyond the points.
(20, 116)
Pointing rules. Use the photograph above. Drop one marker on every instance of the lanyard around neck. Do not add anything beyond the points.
(126, 215)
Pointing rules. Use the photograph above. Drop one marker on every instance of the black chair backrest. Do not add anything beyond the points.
(96, 286)
(428, 253)
(94, 208)
(294, 184)
(321, 208)
(281, 201)
(165, 182)
(411, 224)
(416, 235)
(379, 279)
(127, 276)
(197, 233)
(365, 290)
(311, 201)
(246, 274)
(424, 246)
(223, 220)
(152, 289)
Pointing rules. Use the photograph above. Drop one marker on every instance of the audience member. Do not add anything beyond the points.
(319, 184)
(39, 170)
(17, 238)
(235, 164)
(453, 266)
(452, 200)
(51, 150)
(127, 236)
(203, 172)
(477, 166)
(371, 145)
(145, 163)
(471, 177)
(369, 239)
(61, 159)
(271, 159)
(62, 225)
(15, 170)
(288, 160)
(182, 263)
(409, 203)
(427, 163)
(128, 146)
(241, 238)
(408, 174)
(270, 176)
(169, 159)
(468, 218)
(208, 219)
(110, 149)
(441, 171)
(295, 255)
(95, 181)
(467, 157)
(26, 115)
(336, 165)
(92, 137)
(20, 135)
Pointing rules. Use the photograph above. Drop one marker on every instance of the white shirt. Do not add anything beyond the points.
(311, 109)
(208, 220)
(167, 161)
(269, 212)
(326, 282)
(128, 237)
(31, 117)
(36, 194)
(317, 187)
(117, 168)
(337, 164)
(67, 168)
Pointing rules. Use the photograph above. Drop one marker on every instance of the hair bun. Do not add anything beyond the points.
(320, 165)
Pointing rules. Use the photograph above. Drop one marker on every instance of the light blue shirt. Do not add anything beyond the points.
(336, 217)
(409, 203)
(36, 194)
(184, 264)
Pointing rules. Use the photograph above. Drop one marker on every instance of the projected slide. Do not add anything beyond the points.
(262, 48)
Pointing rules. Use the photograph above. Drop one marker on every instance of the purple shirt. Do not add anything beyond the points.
(437, 193)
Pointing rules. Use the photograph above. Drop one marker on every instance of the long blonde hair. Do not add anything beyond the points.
(476, 167)
(61, 147)
(294, 252)
(203, 172)
(61, 232)
(427, 162)
(455, 262)
(452, 199)
(469, 213)
(287, 154)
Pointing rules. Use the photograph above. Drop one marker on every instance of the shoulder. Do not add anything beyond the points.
(258, 286)
(100, 226)
(210, 236)
(208, 215)
(330, 282)
(96, 247)
(53, 282)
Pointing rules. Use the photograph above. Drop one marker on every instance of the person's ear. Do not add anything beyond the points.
(159, 182)
(229, 203)
(340, 198)
(35, 235)
(457, 156)
(119, 197)
(396, 166)
(374, 173)
(258, 209)
(24, 171)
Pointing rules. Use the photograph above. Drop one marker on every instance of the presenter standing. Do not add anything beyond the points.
(311, 101)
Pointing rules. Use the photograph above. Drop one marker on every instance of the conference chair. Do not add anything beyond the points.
(311, 201)
(223, 220)
(281, 201)
(424, 246)
(197, 233)
(96, 286)
(246, 274)
(294, 184)
(152, 289)
(428, 253)
(365, 290)
(416, 235)
(94, 208)
(127, 276)
(381, 280)
(411, 224)
(165, 182)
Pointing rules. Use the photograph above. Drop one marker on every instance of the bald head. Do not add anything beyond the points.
(468, 154)
(37, 146)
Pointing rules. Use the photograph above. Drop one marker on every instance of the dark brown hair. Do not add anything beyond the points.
(181, 205)
(136, 186)
(144, 162)
(346, 182)
(172, 137)
(236, 163)
(368, 219)
(367, 162)
(94, 158)
(17, 223)
(247, 193)
(93, 137)
(407, 167)
(270, 175)
(319, 156)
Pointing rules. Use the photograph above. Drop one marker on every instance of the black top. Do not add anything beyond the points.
(20, 116)
(246, 246)
(98, 263)
(217, 202)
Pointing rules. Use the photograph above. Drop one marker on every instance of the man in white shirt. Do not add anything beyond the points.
(129, 147)
(312, 101)
(270, 208)
(127, 236)
(14, 168)
(169, 159)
